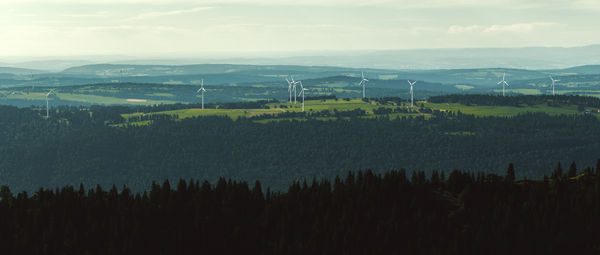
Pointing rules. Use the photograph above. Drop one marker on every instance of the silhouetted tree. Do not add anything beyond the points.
(510, 173)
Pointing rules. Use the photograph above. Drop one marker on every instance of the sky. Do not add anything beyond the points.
(196, 28)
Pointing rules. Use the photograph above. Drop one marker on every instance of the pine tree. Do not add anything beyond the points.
(572, 170)
(435, 178)
(510, 173)
(558, 172)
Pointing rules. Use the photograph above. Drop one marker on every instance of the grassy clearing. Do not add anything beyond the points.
(501, 110)
(521, 91)
(388, 76)
(231, 113)
(464, 87)
(84, 98)
(528, 91)
(330, 105)
(30, 96)
(160, 95)
(343, 105)
(106, 100)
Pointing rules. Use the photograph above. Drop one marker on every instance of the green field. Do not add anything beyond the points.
(87, 98)
(108, 100)
(368, 107)
(521, 91)
(501, 110)
(464, 87)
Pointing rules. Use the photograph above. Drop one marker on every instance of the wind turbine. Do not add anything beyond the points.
(121, 73)
(504, 83)
(47, 105)
(294, 88)
(289, 88)
(553, 80)
(411, 91)
(363, 82)
(302, 89)
(201, 89)
(32, 82)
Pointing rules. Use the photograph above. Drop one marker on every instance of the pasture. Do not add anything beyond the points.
(332, 105)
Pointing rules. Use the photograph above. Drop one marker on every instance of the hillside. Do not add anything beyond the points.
(133, 146)
(254, 82)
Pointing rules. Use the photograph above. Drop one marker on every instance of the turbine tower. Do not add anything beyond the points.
(553, 81)
(411, 91)
(201, 89)
(294, 88)
(302, 89)
(47, 104)
(289, 88)
(32, 82)
(504, 83)
(363, 82)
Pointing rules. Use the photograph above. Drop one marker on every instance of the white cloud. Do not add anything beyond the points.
(521, 27)
(99, 14)
(152, 15)
(464, 29)
(512, 28)
(397, 4)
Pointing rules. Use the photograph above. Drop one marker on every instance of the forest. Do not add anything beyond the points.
(78, 145)
(497, 100)
(361, 212)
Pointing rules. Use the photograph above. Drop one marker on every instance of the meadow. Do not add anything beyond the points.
(421, 108)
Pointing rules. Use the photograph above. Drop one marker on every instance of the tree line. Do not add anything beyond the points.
(77, 146)
(396, 212)
(520, 100)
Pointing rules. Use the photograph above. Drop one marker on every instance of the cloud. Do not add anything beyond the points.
(512, 28)
(521, 27)
(464, 29)
(152, 15)
(87, 15)
(396, 4)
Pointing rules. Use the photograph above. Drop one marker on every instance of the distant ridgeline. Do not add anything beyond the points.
(362, 213)
(78, 146)
(497, 100)
(258, 104)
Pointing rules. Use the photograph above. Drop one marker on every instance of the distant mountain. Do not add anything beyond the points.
(587, 69)
(19, 71)
(418, 59)
(537, 58)
(478, 77)
(51, 65)
(112, 70)
(271, 75)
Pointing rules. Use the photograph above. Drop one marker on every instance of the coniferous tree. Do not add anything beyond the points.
(558, 172)
(510, 173)
(572, 170)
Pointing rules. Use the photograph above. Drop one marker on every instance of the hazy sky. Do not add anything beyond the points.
(195, 27)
